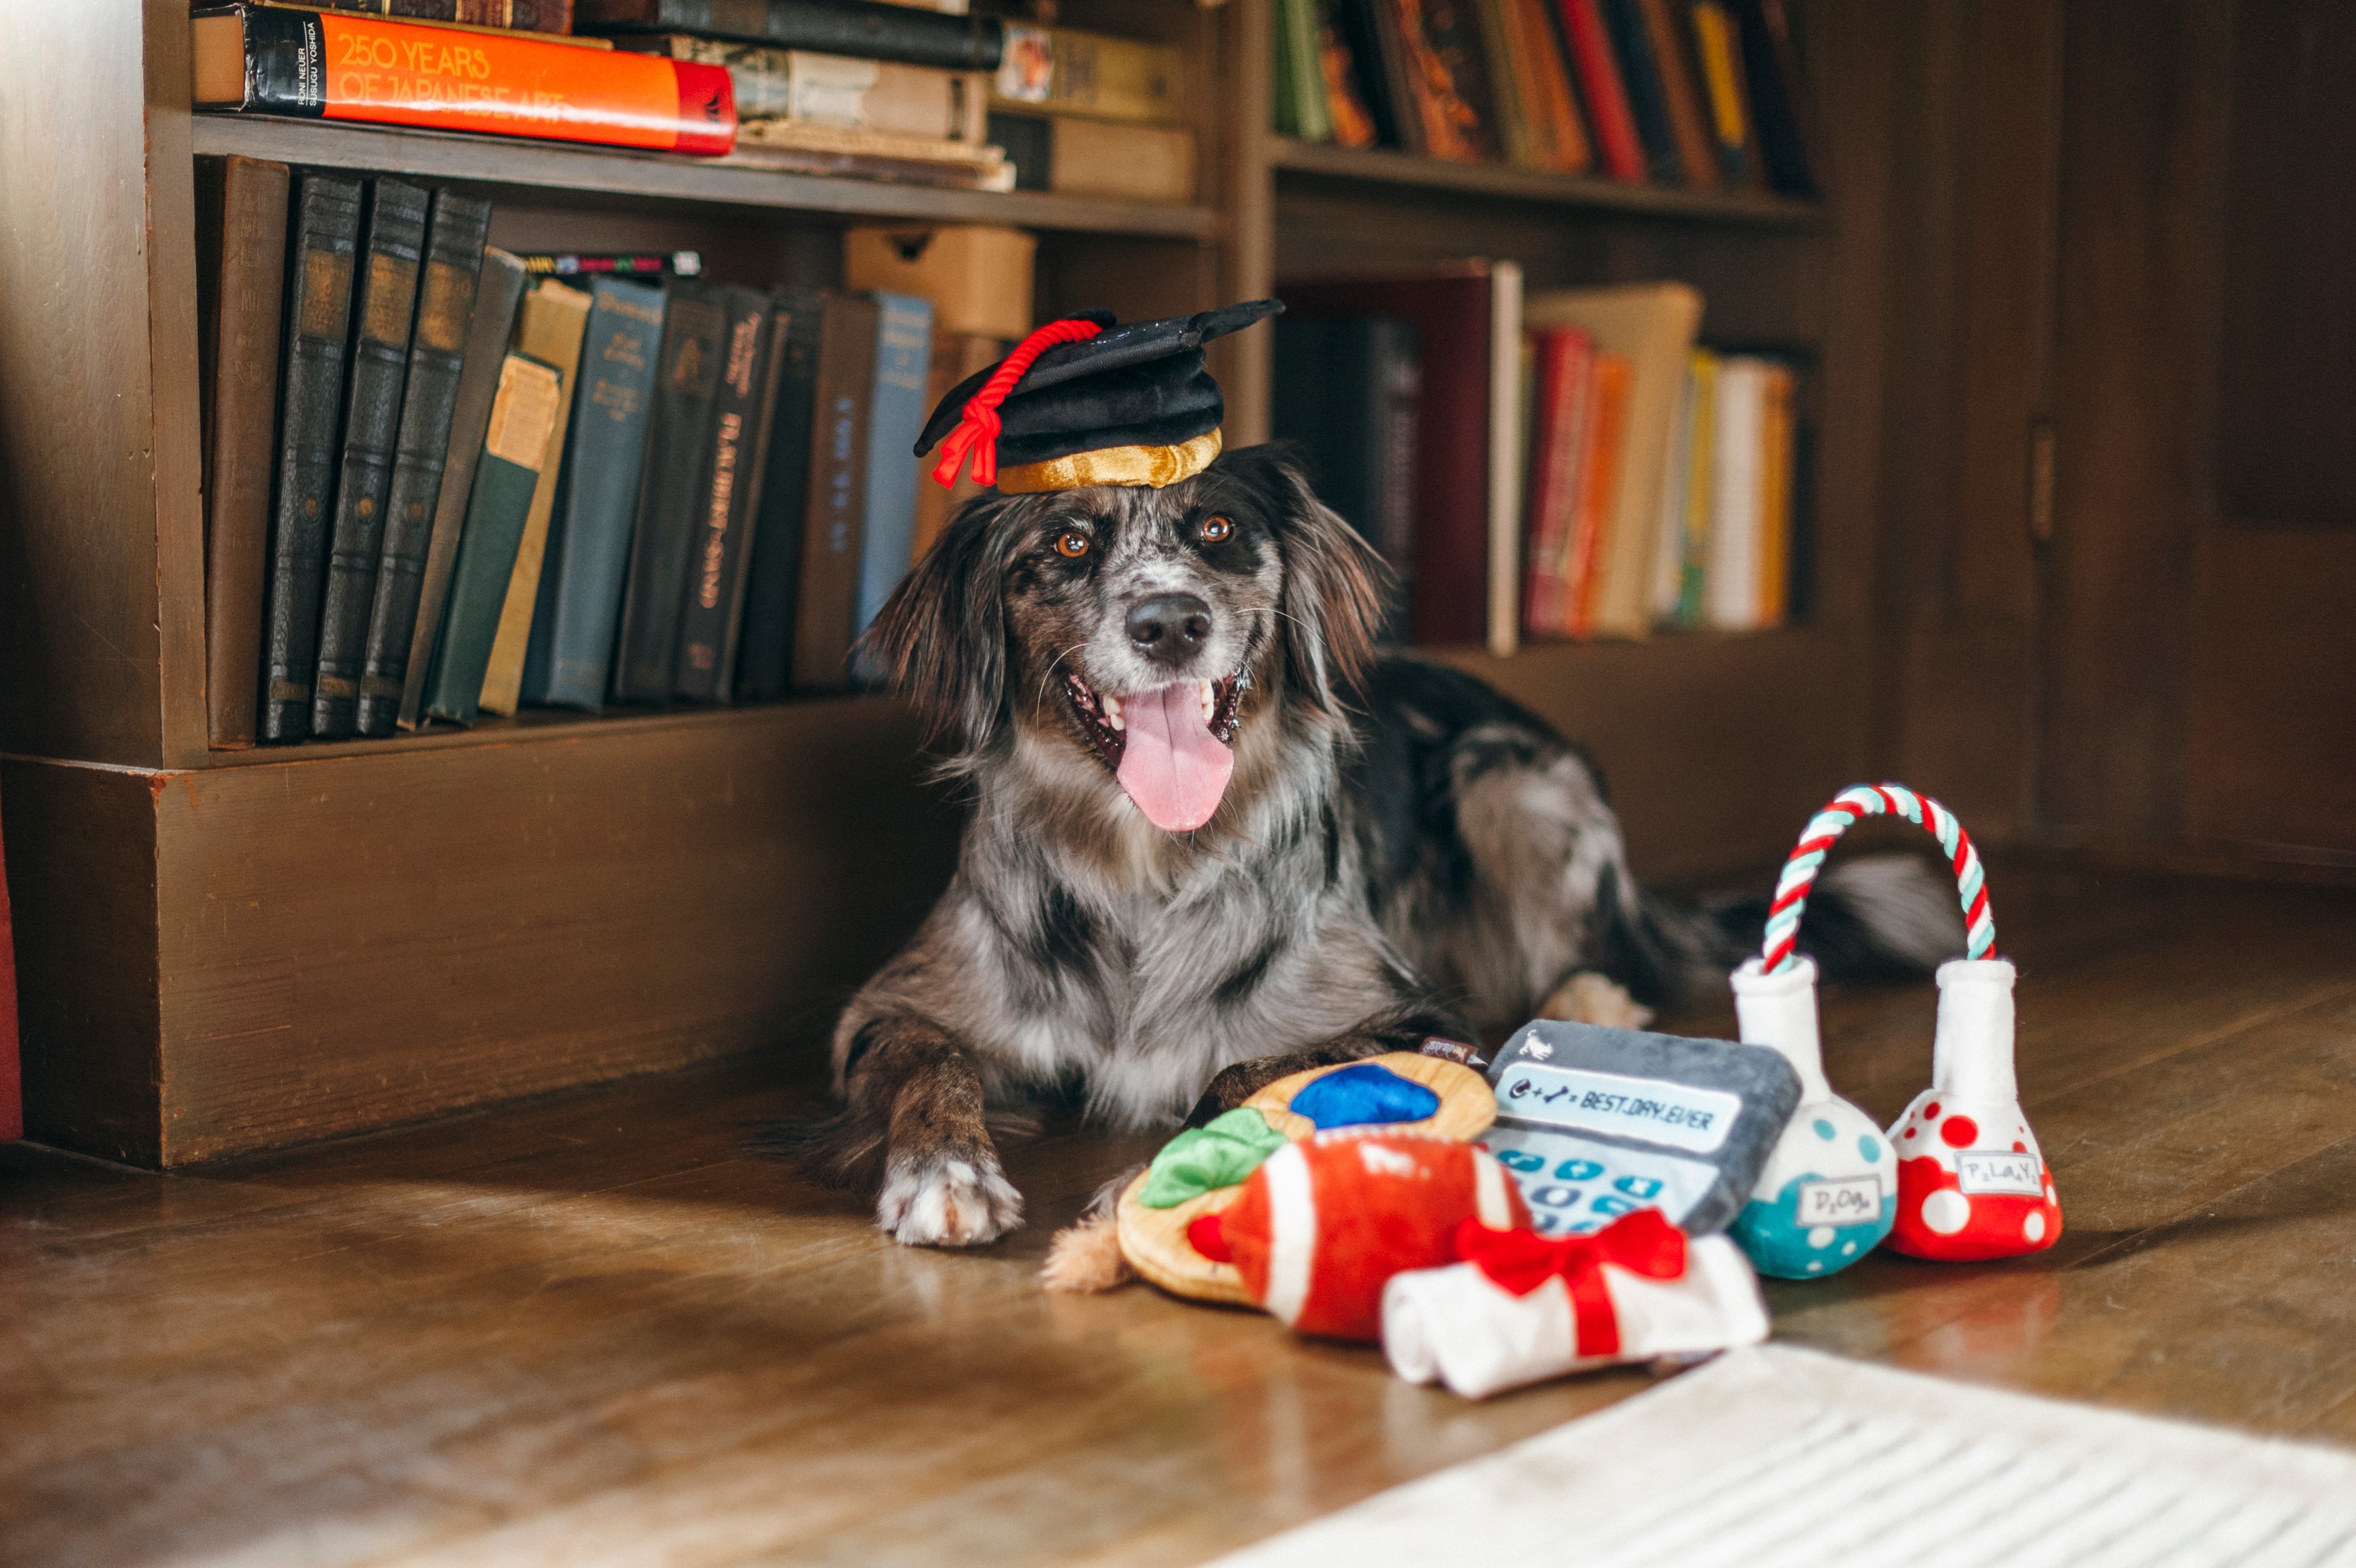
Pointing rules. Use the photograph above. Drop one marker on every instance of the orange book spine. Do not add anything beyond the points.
(395, 73)
(1598, 490)
(1564, 381)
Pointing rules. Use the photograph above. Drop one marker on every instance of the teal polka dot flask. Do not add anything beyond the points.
(1829, 1192)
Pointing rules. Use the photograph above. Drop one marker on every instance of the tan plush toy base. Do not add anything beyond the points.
(1155, 1242)
(1467, 1106)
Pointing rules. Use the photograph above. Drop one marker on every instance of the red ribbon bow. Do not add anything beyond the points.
(977, 429)
(1519, 1261)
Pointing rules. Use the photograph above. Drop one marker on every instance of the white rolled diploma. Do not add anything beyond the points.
(1453, 1325)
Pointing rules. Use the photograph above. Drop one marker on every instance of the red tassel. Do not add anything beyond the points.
(977, 430)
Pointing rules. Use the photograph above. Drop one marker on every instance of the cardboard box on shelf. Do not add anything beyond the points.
(977, 276)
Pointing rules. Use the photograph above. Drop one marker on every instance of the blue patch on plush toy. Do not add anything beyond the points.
(1363, 1096)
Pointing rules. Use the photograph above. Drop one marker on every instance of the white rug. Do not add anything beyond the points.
(1784, 1458)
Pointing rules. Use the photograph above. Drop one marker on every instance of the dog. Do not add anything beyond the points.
(1218, 837)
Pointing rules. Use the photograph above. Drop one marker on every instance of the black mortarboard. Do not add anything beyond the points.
(1083, 401)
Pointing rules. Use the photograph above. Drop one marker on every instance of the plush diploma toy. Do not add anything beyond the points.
(1168, 1220)
(1971, 1183)
(1522, 1307)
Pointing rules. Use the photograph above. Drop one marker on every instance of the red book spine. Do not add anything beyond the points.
(1600, 85)
(1564, 356)
(1598, 490)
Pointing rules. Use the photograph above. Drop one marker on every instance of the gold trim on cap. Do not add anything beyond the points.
(1153, 467)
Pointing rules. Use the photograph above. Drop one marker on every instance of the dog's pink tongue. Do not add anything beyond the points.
(1172, 764)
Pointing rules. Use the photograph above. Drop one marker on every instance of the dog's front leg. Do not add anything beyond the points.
(911, 1081)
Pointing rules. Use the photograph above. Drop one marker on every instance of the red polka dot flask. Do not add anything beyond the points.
(1972, 1183)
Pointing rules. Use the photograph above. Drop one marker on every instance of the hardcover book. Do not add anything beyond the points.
(827, 599)
(956, 355)
(765, 654)
(1648, 99)
(521, 16)
(319, 321)
(1061, 71)
(687, 386)
(1772, 74)
(1347, 390)
(515, 448)
(437, 356)
(1440, 79)
(1565, 388)
(242, 226)
(712, 609)
(1619, 150)
(1718, 56)
(835, 90)
(548, 329)
(570, 661)
(904, 347)
(1681, 90)
(912, 35)
(498, 293)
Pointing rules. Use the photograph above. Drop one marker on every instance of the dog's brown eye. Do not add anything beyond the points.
(1215, 531)
(1071, 546)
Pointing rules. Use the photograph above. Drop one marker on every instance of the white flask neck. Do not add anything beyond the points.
(1973, 1056)
(1779, 1011)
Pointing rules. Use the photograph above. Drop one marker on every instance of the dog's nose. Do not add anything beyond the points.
(1169, 627)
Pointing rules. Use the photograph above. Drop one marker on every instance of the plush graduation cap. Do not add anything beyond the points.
(1083, 401)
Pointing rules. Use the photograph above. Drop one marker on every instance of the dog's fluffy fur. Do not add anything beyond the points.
(1401, 852)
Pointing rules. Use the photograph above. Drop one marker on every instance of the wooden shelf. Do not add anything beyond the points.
(1376, 165)
(731, 181)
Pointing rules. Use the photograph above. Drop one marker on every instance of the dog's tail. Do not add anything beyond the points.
(1882, 917)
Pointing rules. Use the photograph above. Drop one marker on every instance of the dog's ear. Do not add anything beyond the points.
(1336, 588)
(941, 636)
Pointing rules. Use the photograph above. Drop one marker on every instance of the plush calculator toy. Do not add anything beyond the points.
(1596, 1123)
(1971, 1182)
(1168, 1222)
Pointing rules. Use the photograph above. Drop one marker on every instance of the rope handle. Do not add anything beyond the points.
(977, 429)
(1827, 826)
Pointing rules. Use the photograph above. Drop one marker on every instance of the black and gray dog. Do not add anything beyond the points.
(1218, 839)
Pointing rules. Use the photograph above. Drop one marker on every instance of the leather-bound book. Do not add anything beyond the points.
(318, 323)
(387, 306)
(496, 295)
(687, 386)
(549, 329)
(437, 357)
(520, 15)
(515, 448)
(712, 609)
(765, 646)
(1347, 390)
(570, 661)
(827, 605)
(860, 28)
(243, 230)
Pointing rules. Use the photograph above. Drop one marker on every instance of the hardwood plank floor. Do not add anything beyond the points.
(593, 1330)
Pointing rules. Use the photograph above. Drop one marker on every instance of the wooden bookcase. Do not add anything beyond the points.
(225, 951)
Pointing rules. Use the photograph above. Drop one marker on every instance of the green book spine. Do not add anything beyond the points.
(514, 448)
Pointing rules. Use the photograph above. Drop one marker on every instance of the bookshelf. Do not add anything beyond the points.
(230, 951)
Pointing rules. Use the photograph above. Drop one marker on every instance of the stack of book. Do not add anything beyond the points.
(1082, 115)
(1701, 94)
(1564, 464)
(436, 488)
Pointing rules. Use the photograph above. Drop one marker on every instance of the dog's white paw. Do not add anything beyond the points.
(1588, 997)
(942, 1200)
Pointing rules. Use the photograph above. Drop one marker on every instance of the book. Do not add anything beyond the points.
(764, 646)
(1558, 137)
(569, 661)
(1619, 150)
(498, 292)
(1439, 79)
(1467, 548)
(1701, 494)
(1563, 406)
(1369, 30)
(1062, 71)
(1506, 65)
(242, 227)
(515, 449)
(1648, 97)
(1346, 391)
(711, 606)
(824, 150)
(1771, 77)
(1097, 157)
(1652, 327)
(549, 329)
(1669, 532)
(1342, 70)
(904, 345)
(1300, 80)
(826, 601)
(910, 35)
(835, 90)
(437, 357)
(1682, 95)
(385, 308)
(319, 299)
(1730, 571)
(254, 58)
(1594, 520)
(956, 355)
(687, 386)
(1718, 57)
(616, 264)
(1775, 455)
(521, 16)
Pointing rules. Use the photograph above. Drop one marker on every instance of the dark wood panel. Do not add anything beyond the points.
(78, 441)
(82, 886)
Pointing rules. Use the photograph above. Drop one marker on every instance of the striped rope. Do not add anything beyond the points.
(1827, 826)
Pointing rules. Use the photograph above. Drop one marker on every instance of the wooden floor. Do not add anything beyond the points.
(591, 1331)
